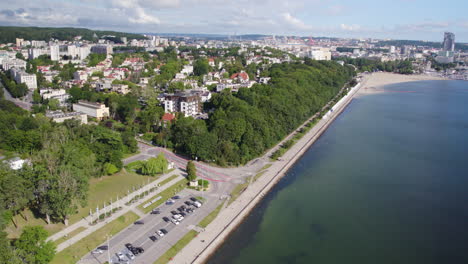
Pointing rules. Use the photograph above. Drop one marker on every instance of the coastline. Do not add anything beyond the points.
(205, 244)
(374, 83)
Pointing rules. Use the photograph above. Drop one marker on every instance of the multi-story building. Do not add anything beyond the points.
(34, 53)
(102, 49)
(60, 116)
(187, 103)
(59, 94)
(449, 41)
(21, 76)
(13, 63)
(55, 52)
(96, 110)
(80, 75)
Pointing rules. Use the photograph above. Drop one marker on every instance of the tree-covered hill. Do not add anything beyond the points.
(9, 34)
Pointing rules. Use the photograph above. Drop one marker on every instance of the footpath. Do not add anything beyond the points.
(200, 249)
(87, 221)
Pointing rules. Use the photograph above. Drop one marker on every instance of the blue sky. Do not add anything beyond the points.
(396, 19)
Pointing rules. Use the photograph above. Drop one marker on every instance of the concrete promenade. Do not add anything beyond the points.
(200, 249)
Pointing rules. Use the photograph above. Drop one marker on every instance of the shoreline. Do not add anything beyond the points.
(206, 243)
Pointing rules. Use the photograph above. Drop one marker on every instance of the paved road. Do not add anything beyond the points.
(138, 235)
(23, 104)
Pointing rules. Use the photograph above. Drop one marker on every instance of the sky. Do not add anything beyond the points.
(383, 19)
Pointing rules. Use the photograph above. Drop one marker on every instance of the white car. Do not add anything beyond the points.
(120, 256)
(178, 217)
(197, 204)
(130, 255)
(175, 222)
(97, 251)
(161, 234)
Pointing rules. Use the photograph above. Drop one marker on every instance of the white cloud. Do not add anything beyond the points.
(353, 27)
(295, 22)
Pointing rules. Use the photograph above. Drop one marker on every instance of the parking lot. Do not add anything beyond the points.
(138, 235)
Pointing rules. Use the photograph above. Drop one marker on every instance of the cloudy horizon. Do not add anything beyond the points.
(399, 19)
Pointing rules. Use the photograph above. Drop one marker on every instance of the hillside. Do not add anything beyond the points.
(9, 34)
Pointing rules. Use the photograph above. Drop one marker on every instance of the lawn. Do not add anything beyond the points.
(170, 253)
(76, 251)
(70, 235)
(168, 179)
(166, 194)
(209, 218)
(238, 190)
(101, 190)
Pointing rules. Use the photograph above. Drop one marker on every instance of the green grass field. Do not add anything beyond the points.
(70, 235)
(76, 251)
(209, 218)
(169, 254)
(166, 194)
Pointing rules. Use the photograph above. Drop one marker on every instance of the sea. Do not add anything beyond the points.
(386, 183)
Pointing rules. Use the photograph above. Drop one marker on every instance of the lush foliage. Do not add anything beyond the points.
(400, 66)
(16, 89)
(242, 126)
(95, 58)
(9, 34)
(191, 171)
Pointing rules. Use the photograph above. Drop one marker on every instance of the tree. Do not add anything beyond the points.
(154, 166)
(191, 171)
(201, 67)
(32, 246)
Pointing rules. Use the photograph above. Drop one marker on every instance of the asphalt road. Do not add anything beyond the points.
(138, 235)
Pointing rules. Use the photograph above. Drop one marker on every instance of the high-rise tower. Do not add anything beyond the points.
(449, 41)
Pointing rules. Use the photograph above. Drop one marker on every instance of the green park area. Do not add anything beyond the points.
(166, 194)
(76, 251)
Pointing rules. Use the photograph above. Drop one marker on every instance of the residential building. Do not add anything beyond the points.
(241, 77)
(54, 52)
(120, 88)
(102, 49)
(13, 63)
(34, 53)
(20, 76)
(60, 116)
(60, 94)
(96, 110)
(187, 103)
(80, 75)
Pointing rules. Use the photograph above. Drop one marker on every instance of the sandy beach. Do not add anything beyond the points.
(202, 247)
(373, 83)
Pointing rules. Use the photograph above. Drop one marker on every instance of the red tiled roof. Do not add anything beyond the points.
(242, 75)
(168, 117)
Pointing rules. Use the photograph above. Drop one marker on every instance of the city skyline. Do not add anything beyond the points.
(400, 19)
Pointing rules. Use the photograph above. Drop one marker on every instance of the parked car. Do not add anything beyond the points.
(139, 223)
(164, 231)
(193, 199)
(128, 246)
(175, 222)
(160, 233)
(189, 210)
(176, 197)
(155, 212)
(170, 201)
(130, 256)
(183, 214)
(166, 219)
(120, 256)
(104, 247)
(153, 238)
(97, 251)
(197, 204)
(188, 203)
(174, 212)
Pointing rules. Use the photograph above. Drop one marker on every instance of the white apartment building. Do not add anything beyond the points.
(59, 94)
(21, 76)
(80, 75)
(96, 110)
(55, 52)
(13, 63)
(34, 53)
(60, 116)
(322, 54)
(187, 103)
(83, 52)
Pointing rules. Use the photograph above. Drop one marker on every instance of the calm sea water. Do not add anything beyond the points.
(387, 183)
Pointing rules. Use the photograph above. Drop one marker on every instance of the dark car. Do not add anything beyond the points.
(139, 223)
(155, 212)
(176, 197)
(180, 209)
(153, 238)
(105, 247)
(139, 250)
(193, 199)
(188, 203)
(129, 246)
(166, 219)
(189, 210)
(183, 214)
(164, 231)
(174, 212)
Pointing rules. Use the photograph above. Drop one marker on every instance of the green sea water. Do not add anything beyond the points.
(386, 183)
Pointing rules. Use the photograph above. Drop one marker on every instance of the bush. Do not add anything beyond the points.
(110, 169)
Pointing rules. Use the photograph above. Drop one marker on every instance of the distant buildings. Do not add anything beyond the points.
(449, 41)
(102, 49)
(54, 52)
(13, 63)
(60, 94)
(96, 110)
